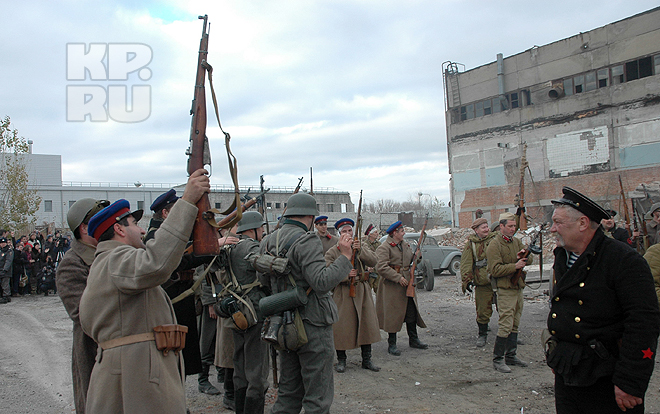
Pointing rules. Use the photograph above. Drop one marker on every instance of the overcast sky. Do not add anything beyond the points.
(351, 88)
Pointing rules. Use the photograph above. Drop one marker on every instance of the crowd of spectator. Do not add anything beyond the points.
(30, 262)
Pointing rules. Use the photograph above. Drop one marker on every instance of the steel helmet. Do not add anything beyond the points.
(251, 220)
(301, 204)
(82, 210)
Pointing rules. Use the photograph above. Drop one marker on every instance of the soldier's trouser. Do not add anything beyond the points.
(251, 362)
(207, 333)
(597, 398)
(483, 299)
(509, 307)
(4, 282)
(306, 375)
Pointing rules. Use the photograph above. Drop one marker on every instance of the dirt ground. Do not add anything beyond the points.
(452, 376)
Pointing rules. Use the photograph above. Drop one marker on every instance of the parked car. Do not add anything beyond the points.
(435, 258)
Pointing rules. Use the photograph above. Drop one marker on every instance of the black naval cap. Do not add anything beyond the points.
(163, 200)
(583, 204)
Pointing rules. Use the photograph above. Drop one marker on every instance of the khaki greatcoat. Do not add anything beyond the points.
(391, 299)
(358, 323)
(123, 297)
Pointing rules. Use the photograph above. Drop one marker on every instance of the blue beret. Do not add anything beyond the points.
(343, 222)
(320, 219)
(163, 200)
(393, 227)
(110, 215)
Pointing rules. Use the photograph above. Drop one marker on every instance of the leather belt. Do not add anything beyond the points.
(398, 268)
(127, 340)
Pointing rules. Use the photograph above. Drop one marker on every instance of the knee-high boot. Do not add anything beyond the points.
(391, 345)
(413, 339)
(366, 359)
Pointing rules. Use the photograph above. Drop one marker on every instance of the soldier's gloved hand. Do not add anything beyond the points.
(564, 357)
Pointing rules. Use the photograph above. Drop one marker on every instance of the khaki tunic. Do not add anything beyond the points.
(71, 281)
(391, 299)
(652, 257)
(327, 241)
(123, 297)
(358, 323)
(483, 292)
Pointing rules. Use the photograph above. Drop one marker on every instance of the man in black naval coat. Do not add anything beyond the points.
(604, 317)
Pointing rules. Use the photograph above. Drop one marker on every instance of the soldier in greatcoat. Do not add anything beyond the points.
(393, 307)
(358, 323)
(123, 303)
(327, 239)
(474, 272)
(604, 318)
(372, 243)
(71, 280)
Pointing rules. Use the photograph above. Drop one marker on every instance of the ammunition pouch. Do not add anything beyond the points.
(285, 332)
(170, 337)
(239, 310)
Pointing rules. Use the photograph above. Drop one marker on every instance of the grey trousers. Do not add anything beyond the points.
(251, 362)
(306, 374)
(207, 331)
(4, 282)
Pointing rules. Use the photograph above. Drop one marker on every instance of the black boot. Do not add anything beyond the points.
(366, 359)
(391, 342)
(228, 399)
(221, 374)
(254, 405)
(498, 355)
(204, 385)
(239, 400)
(341, 361)
(413, 339)
(511, 350)
(483, 334)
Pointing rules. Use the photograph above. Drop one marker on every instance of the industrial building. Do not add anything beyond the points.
(581, 111)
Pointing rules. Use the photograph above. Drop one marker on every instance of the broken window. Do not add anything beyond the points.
(602, 78)
(479, 109)
(632, 71)
(645, 67)
(579, 83)
(526, 97)
(590, 82)
(617, 75)
(513, 100)
(487, 107)
(568, 86)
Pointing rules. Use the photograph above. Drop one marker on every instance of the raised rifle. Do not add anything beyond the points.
(354, 260)
(522, 220)
(626, 215)
(279, 223)
(532, 248)
(410, 291)
(205, 235)
(262, 203)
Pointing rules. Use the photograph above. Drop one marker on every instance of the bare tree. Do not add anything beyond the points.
(18, 203)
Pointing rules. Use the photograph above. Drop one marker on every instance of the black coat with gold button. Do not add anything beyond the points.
(605, 316)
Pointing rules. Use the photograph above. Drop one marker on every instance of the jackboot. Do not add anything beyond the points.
(254, 405)
(498, 355)
(511, 350)
(239, 400)
(483, 334)
(341, 361)
(366, 359)
(204, 386)
(228, 400)
(413, 339)
(391, 345)
(221, 374)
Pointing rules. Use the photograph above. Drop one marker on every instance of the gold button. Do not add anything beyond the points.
(581, 284)
(557, 299)
(554, 315)
(580, 302)
(588, 268)
(577, 336)
(554, 332)
(577, 319)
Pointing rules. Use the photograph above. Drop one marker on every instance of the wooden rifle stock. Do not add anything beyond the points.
(516, 276)
(410, 290)
(626, 214)
(205, 236)
(354, 260)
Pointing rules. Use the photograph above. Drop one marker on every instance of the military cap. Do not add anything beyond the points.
(320, 219)
(3, 240)
(507, 216)
(583, 204)
(393, 227)
(649, 215)
(163, 200)
(110, 215)
(611, 213)
(83, 210)
(344, 222)
(369, 228)
(478, 222)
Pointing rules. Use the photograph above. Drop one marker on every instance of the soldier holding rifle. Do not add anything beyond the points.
(357, 324)
(506, 255)
(393, 306)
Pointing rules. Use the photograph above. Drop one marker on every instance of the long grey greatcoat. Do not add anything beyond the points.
(123, 297)
(328, 241)
(71, 281)
(391, 299)
(358, 323)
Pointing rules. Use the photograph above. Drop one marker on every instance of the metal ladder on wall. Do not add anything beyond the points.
(450, 72)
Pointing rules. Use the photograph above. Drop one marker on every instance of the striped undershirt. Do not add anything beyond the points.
(572, 257)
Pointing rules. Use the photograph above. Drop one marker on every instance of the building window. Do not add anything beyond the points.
(487, 107)
(526, 96)
(645, 67)
(470, 111)
(579, 83)
(278, 205)
(330, 208)
(632, 70)
(48, 206)
(568, 86)
(497, 105)
(269, 205)
(218, 205)
(590, 82)
(603, 76)
(140, 205)
(513, 100)
(617, 75)
(479, 109)
(463, 113)
(656, 63)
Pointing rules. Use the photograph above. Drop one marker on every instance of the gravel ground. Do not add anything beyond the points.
(452, 376)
